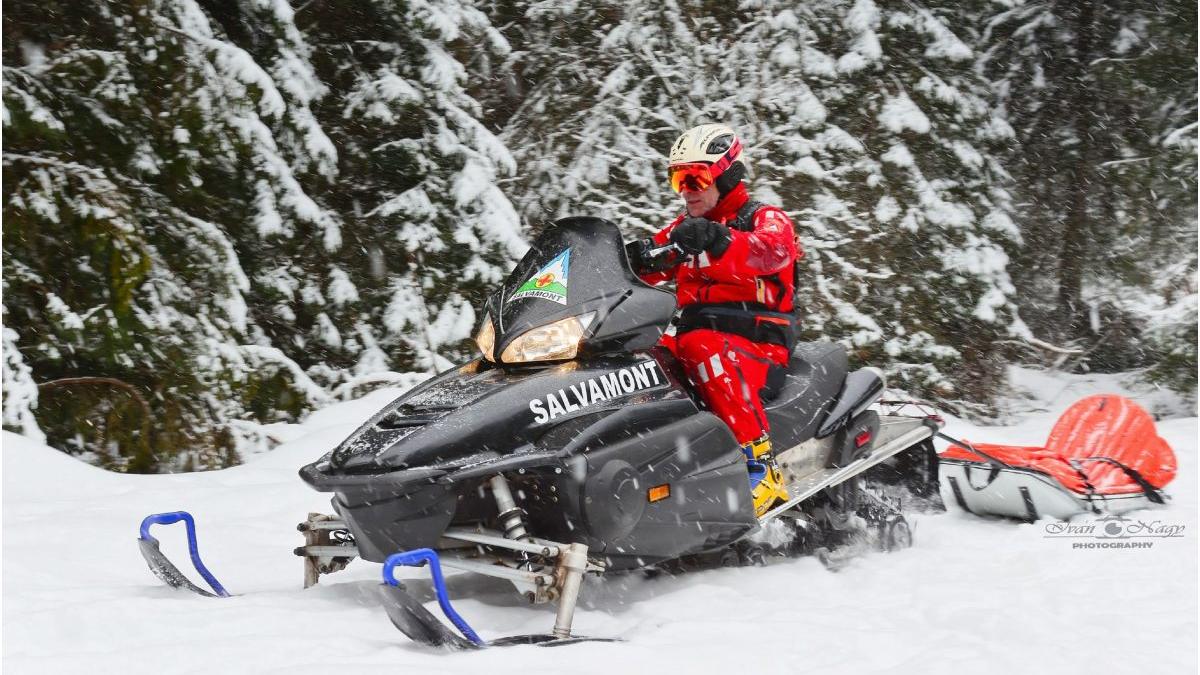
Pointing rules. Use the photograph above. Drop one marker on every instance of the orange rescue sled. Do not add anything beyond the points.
(1103, 456)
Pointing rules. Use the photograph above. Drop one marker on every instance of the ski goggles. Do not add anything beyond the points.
(697, 176)
(693, 177)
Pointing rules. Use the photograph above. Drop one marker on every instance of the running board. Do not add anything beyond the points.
(815, 482)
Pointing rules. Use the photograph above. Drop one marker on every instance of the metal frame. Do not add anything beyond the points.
(811, 485)
(536, 580)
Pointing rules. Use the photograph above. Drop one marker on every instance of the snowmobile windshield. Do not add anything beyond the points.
(575, 288)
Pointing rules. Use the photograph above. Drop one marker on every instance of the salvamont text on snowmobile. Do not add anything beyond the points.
(574, 446)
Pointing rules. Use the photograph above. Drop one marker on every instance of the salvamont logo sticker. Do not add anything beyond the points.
(548, 283)
(596, 390)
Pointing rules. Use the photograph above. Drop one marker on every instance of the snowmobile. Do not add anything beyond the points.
(573, 445)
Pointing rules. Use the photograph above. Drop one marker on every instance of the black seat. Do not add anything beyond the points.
(805, 393)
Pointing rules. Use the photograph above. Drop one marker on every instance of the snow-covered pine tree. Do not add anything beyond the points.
(427, 230)
(1102, 98)
(182, 249)
(864, 121)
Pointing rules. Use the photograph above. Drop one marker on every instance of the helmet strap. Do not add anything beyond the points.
(730, 177)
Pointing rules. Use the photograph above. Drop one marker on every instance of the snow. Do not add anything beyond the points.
(971, 596)
(20, 391)
(886, 209)
(341, 289)
(900, 113)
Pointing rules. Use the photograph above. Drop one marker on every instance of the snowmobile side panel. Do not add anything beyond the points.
(706, 477)
(604, 498)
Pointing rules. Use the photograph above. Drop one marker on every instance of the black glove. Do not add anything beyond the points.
(643, 263)
(694, 235)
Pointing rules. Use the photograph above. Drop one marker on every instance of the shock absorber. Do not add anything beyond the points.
(512, 517)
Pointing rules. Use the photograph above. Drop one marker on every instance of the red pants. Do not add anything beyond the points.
(728, 371)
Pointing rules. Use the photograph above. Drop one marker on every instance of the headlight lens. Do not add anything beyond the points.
(553, 342)
(486, 338)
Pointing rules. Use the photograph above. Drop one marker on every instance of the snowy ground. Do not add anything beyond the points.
(970, 596)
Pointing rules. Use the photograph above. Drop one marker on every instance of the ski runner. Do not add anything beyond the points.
(735, 277)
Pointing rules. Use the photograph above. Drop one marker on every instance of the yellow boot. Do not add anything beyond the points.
(766, 481)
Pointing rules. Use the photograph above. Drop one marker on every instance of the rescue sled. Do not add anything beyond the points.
(1103, 456)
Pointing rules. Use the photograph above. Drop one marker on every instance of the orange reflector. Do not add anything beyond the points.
(659, 493)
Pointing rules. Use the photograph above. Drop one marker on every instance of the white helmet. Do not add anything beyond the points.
(709, 149)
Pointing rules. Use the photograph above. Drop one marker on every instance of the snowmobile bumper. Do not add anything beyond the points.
(389, 512)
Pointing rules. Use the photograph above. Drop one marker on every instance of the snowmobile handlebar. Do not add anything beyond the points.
(663, 250)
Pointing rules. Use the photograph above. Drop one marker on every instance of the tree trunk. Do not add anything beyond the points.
(1073, 252)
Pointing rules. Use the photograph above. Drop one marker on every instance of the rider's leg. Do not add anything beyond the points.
(728, 371)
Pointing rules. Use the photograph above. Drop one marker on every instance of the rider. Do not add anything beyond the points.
(734, 268)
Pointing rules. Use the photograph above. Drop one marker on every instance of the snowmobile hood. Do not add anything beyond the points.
(479, 413)
(577, 266)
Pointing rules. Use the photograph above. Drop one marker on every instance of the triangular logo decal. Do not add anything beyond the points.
(549, 282)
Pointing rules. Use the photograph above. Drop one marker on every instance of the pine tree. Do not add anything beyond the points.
(1103, 101)
(428, 230)
(865, 122)
(129, 148)
(220, 215)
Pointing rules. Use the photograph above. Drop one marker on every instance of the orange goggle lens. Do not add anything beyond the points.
(690, 177)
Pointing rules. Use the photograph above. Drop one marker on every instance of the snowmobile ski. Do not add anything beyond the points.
(416, 622)
(163, 568)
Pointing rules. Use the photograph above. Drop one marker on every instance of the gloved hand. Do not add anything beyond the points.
(642, 262)
(694, 235)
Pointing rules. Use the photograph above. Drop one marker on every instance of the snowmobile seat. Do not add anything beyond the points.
(801, 396)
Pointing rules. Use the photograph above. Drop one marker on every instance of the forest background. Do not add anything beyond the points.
(224, 214)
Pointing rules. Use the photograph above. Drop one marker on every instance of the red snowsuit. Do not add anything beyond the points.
(756, 272)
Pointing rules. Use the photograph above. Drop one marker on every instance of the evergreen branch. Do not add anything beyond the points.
(1116, 162)
(122, 385)
(1029, 340)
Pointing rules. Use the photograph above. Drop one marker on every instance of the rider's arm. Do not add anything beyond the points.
(769, 248)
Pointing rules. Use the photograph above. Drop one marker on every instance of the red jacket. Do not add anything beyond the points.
(757, 267)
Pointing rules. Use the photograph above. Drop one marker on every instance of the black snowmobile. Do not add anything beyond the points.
(574, 445)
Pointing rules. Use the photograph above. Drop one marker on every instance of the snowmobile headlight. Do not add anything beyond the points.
(553, 342)
(486, 338)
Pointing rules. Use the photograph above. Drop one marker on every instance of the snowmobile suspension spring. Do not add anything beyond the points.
(511, 516)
